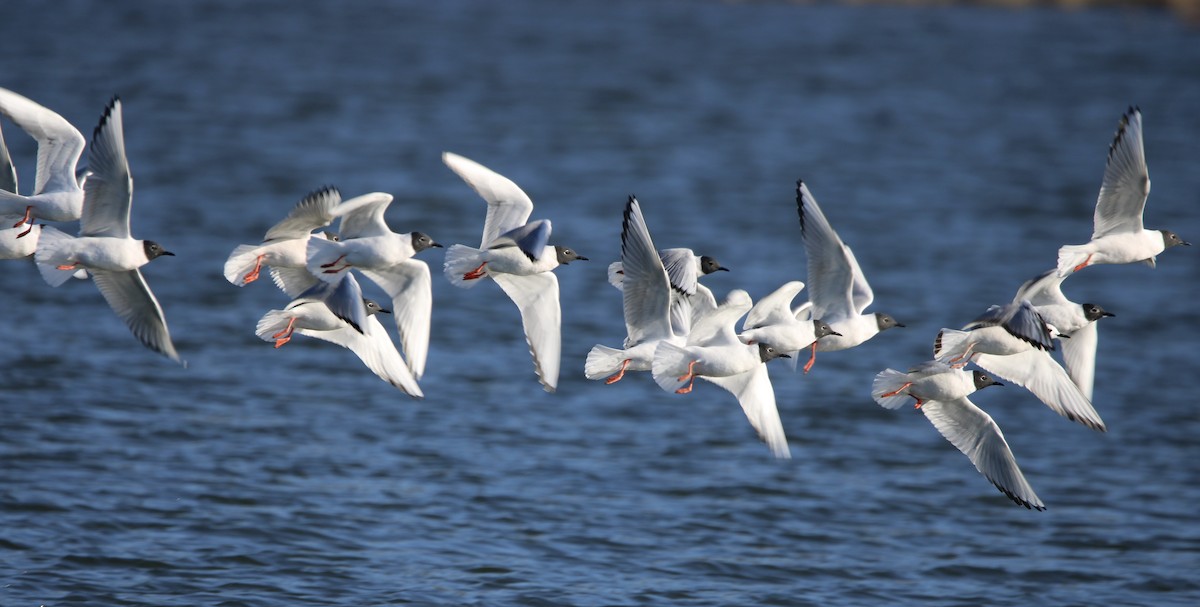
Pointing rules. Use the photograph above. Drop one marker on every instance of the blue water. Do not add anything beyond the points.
(954, 149)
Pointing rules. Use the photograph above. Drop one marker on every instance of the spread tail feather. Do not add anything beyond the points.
(48, 255)
(670, 362)
(889, 380)
(616, 275)
(1069, 257)
(240, 263)
(271, 323)
(603, 362)
(949, 344)
(460, 260)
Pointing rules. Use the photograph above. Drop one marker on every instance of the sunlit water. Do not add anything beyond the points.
(954, 150)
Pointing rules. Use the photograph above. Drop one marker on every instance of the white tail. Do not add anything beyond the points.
(49, 256)
(602, 362)
(616, 275)
(271, 323)
(670, 362)
(241, 261)
(1071, 256)
(950, 344)
(461, 259)
(889, 380)
(321, 253)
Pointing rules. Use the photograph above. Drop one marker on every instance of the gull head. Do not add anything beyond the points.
(566, 256)
(153, 249)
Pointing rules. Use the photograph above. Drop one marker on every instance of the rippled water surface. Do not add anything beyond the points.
(954, 150)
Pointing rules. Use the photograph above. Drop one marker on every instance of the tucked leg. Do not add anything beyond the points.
(476, 273)
(252, 275)
(621, 373)
(285, 335)
(689, 377)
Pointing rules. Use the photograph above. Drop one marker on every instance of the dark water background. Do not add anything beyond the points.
(954, 149)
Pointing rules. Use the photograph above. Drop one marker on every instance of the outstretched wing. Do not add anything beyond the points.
(836, 285)
(410, 287)
(1126, 182)
(757, 397)
(129, 296)
(646, 292)
(362, 216)
(536, 296)
(313, 212)
(974, 432)
(508, 206)
(59, 144)
(108, 192)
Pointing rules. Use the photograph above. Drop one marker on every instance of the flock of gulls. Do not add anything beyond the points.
(676, 328)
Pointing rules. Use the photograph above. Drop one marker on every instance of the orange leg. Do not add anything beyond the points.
(965, 357)
(285, 335)
(897, 391)
(1084, 264)
(919, 403)
(70, 266)
(689, 377)
(812, 359)
(329, 266)
(616, 378)
(28, 218)
(476, 273)
(252, 275)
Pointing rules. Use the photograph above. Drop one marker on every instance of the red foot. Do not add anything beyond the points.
(1084, 264)
(68, 266)
(616, 378)
(812, 359)
(919, 403)
(252, 275)
(476, 273)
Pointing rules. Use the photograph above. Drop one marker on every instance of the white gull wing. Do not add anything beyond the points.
(775, 308)
(362, 216)
(410, 287)
(1020, 320)
(757, 397)
(129, 296)
(375, 349)
(536, 296)
(344, 299)
(1037, 372)
(530, 238)
(59, 144)
(1079, 357)
(1126, 182)
(715, 327)
(108, 192)
(973, 432)
(293, 281)
(508, 206)
(836, 285)
(646, 291)
(313, 212)
(682, 269)
(1045, 289)
(8, 172)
